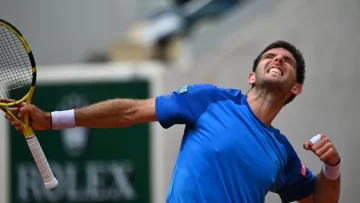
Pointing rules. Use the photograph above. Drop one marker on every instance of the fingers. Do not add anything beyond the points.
(15, 111)
(17, 125)
(3, 100)
(322, 147)
(24, 110)
(322, 150)
(19, 112)
(319, 144)
(8, 117)
(328, 155)
(313, 141)
(307, 146)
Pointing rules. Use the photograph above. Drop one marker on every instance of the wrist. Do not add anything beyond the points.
(48, 120)
(63, 119)
(332, 172)
(334, 163)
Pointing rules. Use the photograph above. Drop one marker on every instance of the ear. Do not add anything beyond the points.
(251, 78)
(296, 89)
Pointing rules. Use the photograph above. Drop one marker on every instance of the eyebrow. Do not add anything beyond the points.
(286, 57)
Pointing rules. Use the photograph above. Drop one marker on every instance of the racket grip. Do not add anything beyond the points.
(48, 177)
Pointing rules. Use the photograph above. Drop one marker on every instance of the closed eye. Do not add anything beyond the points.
(290, 61)
(269, 56)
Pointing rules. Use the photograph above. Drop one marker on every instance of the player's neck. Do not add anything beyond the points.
(265, 104)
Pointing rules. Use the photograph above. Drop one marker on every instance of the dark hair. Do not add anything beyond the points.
(300, 62)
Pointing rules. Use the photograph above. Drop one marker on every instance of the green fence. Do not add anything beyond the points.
(92, 165)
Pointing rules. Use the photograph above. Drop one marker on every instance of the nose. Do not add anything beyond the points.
(279, 59)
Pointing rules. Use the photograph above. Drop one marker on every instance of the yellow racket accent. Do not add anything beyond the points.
(21, 38)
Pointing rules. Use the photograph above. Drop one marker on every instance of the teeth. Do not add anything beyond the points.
(275, 70)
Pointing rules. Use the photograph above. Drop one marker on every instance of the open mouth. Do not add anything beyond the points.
(276, 71)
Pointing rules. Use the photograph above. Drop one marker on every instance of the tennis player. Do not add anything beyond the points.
(230, 150)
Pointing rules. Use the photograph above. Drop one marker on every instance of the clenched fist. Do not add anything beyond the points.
(322, 147)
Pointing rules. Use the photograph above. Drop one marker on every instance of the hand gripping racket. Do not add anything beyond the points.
(18, 74)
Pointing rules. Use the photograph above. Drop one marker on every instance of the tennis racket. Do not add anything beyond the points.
(18, 75)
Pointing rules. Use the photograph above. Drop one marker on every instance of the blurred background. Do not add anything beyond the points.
(88, 51)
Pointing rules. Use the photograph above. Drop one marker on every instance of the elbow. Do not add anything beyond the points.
(128, 118)
(138, 112)
(128, 121)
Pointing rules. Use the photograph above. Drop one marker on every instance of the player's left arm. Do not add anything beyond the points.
(298, 183)
(325, 190)
(327, 184)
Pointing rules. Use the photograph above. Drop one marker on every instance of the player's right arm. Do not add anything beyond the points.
(180, 107)
(113, 113)
(116, 113)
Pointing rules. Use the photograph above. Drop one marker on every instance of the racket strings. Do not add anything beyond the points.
(15, 65)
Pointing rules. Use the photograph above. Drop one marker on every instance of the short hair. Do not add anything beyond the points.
(300, 62)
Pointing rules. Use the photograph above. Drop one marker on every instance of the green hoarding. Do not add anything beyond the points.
(92, 165)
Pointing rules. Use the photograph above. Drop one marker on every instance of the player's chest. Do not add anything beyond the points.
(260, 158)
(252, 150)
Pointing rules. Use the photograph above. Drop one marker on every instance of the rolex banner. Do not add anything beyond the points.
(91, 165)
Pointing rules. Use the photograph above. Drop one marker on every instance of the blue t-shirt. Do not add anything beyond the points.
(227, 154)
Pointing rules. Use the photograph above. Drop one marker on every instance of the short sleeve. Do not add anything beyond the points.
(299, 181)
(186, 105)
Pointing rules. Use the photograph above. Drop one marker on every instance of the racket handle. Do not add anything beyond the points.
(47, 175)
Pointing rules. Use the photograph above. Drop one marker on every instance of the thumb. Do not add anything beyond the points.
(307, 145)
(24, 110)
(312, 141)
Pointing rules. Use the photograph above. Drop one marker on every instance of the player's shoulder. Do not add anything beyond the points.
(191, 88)
(209, 88)
(211, 93)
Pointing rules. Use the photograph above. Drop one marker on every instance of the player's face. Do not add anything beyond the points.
(276, 70)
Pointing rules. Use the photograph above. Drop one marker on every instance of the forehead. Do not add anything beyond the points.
(281, 51)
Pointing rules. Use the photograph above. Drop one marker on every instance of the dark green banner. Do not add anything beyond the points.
(91, 165)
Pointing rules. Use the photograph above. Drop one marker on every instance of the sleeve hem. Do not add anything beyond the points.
(159, 114)
(303, 192)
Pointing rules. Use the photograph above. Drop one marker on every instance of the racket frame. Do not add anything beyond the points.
(27, 130)
(49, 180)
